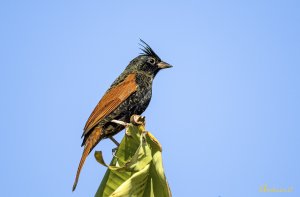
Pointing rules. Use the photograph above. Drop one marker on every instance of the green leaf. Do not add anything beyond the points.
(136, 170)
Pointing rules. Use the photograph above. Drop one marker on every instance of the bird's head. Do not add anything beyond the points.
(148, 61)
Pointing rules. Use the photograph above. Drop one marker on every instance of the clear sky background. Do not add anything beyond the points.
(227, 113)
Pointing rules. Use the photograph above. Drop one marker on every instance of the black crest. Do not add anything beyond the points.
(147, 51)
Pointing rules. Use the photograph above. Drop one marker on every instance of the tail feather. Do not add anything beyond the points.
(89, 145)
(85, 153)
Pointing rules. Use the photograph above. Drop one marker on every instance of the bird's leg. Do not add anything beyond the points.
(114, 141)
(114, 150)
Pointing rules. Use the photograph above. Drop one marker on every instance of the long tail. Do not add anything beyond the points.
(89, 145)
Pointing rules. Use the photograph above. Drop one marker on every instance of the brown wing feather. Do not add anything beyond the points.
(110, 101)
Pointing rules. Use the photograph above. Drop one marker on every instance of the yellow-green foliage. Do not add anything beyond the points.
(136, 170)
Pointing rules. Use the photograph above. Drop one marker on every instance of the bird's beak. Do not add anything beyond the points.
(163, 65)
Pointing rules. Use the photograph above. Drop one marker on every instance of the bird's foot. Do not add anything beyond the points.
(120, 122)
(137, 120)
(114, 151)
(134, 119)
(125, 124)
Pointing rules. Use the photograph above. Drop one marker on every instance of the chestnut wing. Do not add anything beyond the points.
(110, 101)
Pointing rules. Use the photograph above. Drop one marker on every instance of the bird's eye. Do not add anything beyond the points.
(151, 61)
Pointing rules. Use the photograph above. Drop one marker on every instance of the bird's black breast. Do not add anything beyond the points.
(142, 96)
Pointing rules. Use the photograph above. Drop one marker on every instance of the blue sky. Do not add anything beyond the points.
(227, 113)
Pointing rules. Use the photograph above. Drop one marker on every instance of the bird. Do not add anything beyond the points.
(129, 94)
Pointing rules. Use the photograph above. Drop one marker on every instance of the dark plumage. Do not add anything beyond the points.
(129, 94)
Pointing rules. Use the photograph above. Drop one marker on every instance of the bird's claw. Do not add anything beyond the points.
(134, 119)
(137, 119)
(120, 122)
(114, 151)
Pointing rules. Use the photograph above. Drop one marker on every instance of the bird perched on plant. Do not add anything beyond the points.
(129, 94)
